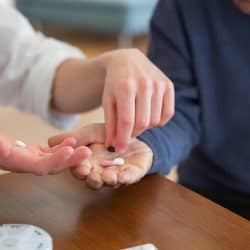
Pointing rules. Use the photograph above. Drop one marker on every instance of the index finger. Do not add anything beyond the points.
(125, 120)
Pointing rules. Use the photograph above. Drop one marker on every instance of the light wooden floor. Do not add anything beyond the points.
(32, 129)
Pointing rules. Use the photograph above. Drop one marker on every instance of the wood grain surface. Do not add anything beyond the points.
(153, 211)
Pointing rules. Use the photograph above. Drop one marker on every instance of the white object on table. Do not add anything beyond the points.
(24, 237)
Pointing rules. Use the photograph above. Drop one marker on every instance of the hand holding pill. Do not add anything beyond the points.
(120, 168)
(136, 96)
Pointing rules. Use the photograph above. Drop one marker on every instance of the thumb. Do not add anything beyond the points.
(90, 134)
(58, 139)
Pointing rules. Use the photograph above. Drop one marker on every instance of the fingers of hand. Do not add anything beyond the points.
(130, 174)
(4, 147)
(93, 133)
(110, 120)
(79, 154)
(126, 119)
(156, 104)
(69, 141)
(143, 108)
(82, 171)
(53, 163)
(58, 139)
(110, 175)
(94, 179)
(168, 104)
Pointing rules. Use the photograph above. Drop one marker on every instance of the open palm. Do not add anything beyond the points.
(138, 158)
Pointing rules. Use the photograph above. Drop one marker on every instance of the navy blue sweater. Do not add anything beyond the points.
(203, 46)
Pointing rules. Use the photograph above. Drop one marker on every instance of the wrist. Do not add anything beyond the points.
(111, 58)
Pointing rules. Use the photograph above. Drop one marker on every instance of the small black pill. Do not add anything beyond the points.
(111, 149)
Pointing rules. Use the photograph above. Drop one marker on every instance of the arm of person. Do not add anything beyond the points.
(171, 143)
(28, 62)
(27, 67)
(170, 51)
(131, 89)
(164, 146)
(52, 79)
(17, 156)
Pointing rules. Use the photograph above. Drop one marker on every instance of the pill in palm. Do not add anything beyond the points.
(20, 144)
(119, 161)
(107, 163)
(115, 162)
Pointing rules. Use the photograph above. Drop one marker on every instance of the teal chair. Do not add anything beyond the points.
(127, 18)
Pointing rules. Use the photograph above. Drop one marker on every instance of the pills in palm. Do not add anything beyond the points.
(20, 144)
(119, 161)
(115, 162)
(107, 163)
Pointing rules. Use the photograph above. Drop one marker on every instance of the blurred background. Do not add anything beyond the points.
(95, 26)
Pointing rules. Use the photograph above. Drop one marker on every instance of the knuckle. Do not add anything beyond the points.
(168, 112)
(168, 115)
(126, 122)
(122, 144)
(134, 51)
(146, 84)
(126, 86)
(142, 124)
(169, 85)
(155, 122)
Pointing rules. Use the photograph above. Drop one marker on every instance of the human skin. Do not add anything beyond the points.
(243, 5)
(134, 93)
(40, 160)
(138, 158)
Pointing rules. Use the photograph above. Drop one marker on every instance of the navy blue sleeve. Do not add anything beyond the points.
(169, 50)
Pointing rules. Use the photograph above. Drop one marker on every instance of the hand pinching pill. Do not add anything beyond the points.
(20, 144)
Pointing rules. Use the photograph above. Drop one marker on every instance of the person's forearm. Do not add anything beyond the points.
(78, 85)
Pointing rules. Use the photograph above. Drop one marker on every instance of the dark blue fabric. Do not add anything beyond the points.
(203, 46)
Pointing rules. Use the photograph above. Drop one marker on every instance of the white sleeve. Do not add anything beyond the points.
(28, 62)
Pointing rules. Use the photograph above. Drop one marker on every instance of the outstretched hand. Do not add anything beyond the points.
(138, 159)
(40, 160)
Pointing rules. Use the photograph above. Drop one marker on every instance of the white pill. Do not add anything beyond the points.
(119, 161)
(20, 144)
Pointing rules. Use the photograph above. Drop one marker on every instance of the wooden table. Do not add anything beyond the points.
(154, 210)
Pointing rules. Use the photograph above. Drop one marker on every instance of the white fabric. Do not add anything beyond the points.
(28, 62)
